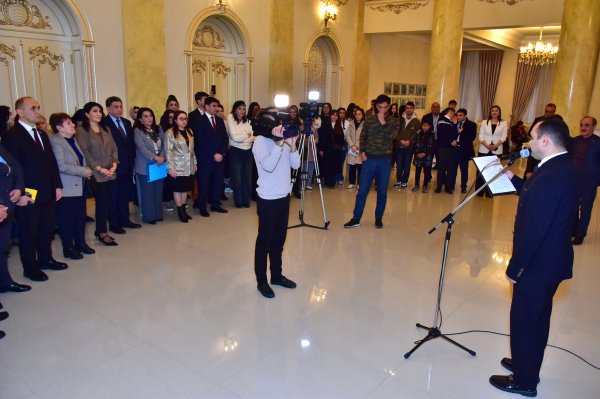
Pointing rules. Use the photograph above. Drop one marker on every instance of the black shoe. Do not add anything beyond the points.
(187, 216)
(463, 190)
(72, 254)
(36, 275)
(3, 315)
(352, 223)
(15, 287)
(204, 213)
(117, 230)
(85, 249)
(577, 240)
(218, 209)
(506, 383)
(378, 223)
(284, 282)
(131, 225)
(246, 205)
(107, 240)
(438, 190)
(2, 334)
(152, 222)
(507, 363)
(53, 264)
(89, 219)
(266, 291)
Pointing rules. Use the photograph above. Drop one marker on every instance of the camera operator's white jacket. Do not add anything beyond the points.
(274, 165)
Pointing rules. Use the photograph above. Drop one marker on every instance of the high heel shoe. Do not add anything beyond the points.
(181, 214)
(107, 240)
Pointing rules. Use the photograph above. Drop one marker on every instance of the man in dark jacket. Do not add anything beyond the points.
(447, 157)
(542, 254)
(467, 131)
(405, 142)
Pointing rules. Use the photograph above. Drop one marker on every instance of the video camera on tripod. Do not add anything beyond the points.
(268, 119)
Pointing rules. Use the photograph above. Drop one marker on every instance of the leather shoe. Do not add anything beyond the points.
(85, 249)
(507, 363)
(284, 282)
(204, 213)
(36, 275)
(577, 240)
(506, 383)
(117, 230)
(266, 291)
(15, 287)
(131, 225)
(438, 190)
(2, 334)
(53, 264)
(218, 209)
(72, 254)
(3, 315)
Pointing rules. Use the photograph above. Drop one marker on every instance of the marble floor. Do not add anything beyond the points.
(173, 311)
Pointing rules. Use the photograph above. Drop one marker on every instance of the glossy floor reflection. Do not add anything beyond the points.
(173, 311)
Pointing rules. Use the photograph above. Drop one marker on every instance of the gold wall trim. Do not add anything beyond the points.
(508, 2)
(7, 52)
(398, 8)
(198, 66)
(207, 37)
(221, 69)
(23, 15)
(43, 55)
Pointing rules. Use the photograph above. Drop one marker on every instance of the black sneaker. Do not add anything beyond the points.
(378, 223)
(352, 224)
(266, 291)
(284, 282)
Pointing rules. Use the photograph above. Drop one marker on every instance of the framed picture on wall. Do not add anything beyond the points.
(402, 101)
(411, 89)
(403, 89)
(424, 90)
(396, 89)
(387, 88)
(419, 90)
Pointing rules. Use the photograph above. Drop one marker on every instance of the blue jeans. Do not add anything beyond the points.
(403, 160)
(373, 168)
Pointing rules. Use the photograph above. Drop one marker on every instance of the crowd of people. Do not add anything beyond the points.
(51, 167)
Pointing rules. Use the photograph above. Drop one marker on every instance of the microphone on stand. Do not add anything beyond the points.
(524, 153)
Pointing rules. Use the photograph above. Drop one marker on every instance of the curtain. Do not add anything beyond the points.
(527, 77)
(468, 88)
(489, 73)
(541, 94)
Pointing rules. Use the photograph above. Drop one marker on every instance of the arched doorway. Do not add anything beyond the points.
(219, 61)
(46, 51)
(323, 69)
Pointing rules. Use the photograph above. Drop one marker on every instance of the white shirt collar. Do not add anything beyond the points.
(29, 128)
(549, 157)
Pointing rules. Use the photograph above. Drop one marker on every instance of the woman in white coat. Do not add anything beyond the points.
(492, 134)
(353, 159)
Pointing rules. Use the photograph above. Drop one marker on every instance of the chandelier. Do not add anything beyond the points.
(538, 53)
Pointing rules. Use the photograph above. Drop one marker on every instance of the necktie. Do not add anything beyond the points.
(121, 130)
(38, 141)
(212, 122)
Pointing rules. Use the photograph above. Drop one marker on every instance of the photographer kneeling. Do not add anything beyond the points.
(274, 160)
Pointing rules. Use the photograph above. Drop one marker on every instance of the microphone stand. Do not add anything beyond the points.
(434, 331)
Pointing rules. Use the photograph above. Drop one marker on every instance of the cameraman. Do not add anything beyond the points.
(274, 159)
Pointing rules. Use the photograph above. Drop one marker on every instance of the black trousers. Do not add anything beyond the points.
(210, 183)
(587, 198)
(102, 193)
(447, 159)
(240, 168)
(463, 165)
(5, 234)
(427, 170)
(354, 173)
(36, 224)
(530, 313)
(119, 201)
(70, 219)
(273, 218)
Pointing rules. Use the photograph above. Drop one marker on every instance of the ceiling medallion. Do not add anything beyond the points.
(22, 14)
(207, 37)
(8, 52)
(220, 69)
(44, 56)
(398, 8)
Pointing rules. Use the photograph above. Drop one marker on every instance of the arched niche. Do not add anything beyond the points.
(218, 55)
(46, 51)
(323, 67)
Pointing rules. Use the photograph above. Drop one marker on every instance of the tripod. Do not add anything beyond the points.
(434, 331)
(309, 139)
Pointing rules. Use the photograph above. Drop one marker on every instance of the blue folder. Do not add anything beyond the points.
(156, 172)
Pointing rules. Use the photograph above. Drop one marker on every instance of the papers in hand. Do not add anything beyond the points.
(354, 154)
(488, 167)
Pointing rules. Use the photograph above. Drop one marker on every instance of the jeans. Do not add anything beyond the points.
(241, 174)
(403, 159)
(339, 165)
(309, 169)
(418, 170)
(373, 168)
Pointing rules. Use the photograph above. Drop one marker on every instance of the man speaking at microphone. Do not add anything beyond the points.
(542, 253)
(274, 160)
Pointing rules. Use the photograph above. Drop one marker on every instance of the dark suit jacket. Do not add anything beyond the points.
(429, 119)
(11, 177)
(125, 148)
(466, 139)
(548, 202)
(208, 141)
(40, 170)
(592, 165)
(194, 120)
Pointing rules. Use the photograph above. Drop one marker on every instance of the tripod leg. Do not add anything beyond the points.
(313, 147)
(471, 352)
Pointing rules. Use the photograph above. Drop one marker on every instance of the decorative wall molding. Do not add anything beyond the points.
(198, 66)
(23, 15)
(508, 2)
(7, 52)
(44, 56)
(221, 69)
(399, 7)
(337, 3)
(207, 37)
